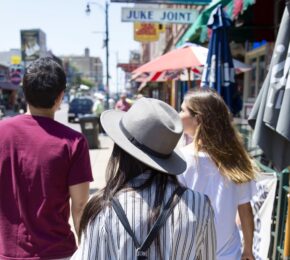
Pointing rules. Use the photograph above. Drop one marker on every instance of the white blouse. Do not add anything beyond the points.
(203, 176)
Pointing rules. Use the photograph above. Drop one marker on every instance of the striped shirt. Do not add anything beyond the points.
(188, 233)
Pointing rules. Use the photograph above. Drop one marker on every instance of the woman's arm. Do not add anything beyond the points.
(247, 223)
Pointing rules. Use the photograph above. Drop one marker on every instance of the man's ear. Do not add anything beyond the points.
(59, 99)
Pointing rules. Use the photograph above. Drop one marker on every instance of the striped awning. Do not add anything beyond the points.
(161, 76)
(198, 32)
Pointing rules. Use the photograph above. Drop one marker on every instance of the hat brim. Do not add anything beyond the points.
(174, 164)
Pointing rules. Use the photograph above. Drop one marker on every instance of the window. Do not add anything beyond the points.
(254, 79)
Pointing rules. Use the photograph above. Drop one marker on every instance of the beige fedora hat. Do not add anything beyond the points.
(149, 131)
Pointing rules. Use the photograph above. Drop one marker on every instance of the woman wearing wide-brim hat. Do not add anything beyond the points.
(142, 194)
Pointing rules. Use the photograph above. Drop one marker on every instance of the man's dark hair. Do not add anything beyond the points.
(43, 82)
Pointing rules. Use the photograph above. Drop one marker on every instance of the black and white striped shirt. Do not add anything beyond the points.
(189, 233)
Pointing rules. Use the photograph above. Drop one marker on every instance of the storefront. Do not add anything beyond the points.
(259, 58)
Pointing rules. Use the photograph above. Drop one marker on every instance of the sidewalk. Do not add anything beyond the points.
(99, 159)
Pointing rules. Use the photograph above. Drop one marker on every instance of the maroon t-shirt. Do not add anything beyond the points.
(39, 159)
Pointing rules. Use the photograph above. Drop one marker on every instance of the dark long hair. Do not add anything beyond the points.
(122, 167)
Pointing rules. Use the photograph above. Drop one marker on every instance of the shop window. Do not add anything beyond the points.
(253, 81)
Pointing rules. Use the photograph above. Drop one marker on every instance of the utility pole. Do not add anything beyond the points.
(117, 74)
(107, 54)
(106, 41)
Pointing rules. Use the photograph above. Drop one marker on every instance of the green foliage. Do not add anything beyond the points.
(75, 77)
(87, 82)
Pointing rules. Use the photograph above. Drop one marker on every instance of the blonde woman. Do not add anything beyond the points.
(219, 166)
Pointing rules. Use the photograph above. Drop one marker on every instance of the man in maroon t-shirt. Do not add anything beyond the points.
(43, 164)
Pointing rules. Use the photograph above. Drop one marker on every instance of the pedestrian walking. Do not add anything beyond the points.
(111, 103)
(43, 164)
(98, 109)
(122, 104)
(142, 195)
(219, 166)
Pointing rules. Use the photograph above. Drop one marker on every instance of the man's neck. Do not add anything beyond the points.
(44, 112)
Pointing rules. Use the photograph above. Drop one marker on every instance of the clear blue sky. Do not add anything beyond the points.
(69, 30)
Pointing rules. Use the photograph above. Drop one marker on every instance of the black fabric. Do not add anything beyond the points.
(165, 213)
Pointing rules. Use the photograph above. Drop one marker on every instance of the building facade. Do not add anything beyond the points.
(251, 27)
(90, 68)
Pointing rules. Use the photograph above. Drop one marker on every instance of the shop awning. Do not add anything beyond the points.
(198, 32)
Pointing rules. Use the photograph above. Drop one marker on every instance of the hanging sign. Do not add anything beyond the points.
(146, 32)
(154, 15)
(15, 59)
(168, 2)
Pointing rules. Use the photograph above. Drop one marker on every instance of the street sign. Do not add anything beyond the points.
(168, 2)
(154, 15)
(146, 32)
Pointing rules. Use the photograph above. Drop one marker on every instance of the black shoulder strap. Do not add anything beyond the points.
(167, 210)
(124, 220)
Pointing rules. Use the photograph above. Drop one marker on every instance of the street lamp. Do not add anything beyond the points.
(106, 9)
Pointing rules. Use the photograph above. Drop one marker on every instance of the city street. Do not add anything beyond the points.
(99, 157)
(233, 104)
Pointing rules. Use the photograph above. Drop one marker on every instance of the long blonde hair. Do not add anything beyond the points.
(216, 135)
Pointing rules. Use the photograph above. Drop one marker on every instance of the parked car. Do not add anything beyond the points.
(78, 107)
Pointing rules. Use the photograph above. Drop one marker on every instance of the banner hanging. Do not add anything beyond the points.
(262, 205)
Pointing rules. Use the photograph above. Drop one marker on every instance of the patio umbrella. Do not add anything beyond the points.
(161, 76)
(218, 71)
(178, 59)
(190, 56)
(158, 76)
(270, 114)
